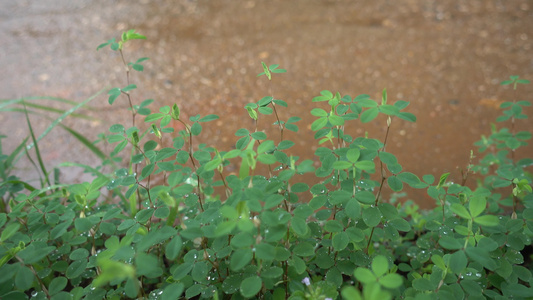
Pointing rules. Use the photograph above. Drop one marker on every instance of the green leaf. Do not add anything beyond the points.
(364, 275)
(266, 146)
(265, 251)
(342, 165)
(353, 154)
(438, 261)
(319, 112)
(213, 164)
(194, 291)
(448, 242)
(487, 220)
(182, 270)
(129, 88)
(266, 71)
(372, 216)
(299, 226)
(387, 158)
(9, 231)
(366, 165)
(132, 35)
(423, 284)
(78, 254)
(400, 224)
(286, 144)
(24, 278)
(155, 236)
(461, 211)
(352, 209)
(333, 226)
(267, 159)
(391, 281)
(409, 178)
(242, 240)
(380, 265)
(477, 205)
(57, 285)
(340, 241)
(199, 271)
(225, 228)
(173, 291)
(304, 249)
(365, 197)
(272, 272)
(76, 268)
(407, 116)
(196, 129)
(319, 123)
(389, 110)
(458, 262)
(240, 258)
(209, 118)
(369, 115)
(394, 183)
(35, 252)
(251, 286)
(350, 293)
(481, 256)
(148, 265)
(173, 248)
(442, 180)
(336, 120)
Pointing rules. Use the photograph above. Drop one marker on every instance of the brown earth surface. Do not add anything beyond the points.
(446, 57)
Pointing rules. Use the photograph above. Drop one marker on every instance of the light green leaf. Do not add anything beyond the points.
(350, 293)
(391, 281)
(461, 211)
(380, 265)
(342, 165)
(366, 165)
(487, 220)
(319, 123)
(353, 154)
(319, 112)
(477, 205)
(364, 275)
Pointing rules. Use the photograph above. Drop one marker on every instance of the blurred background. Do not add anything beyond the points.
(446, 57)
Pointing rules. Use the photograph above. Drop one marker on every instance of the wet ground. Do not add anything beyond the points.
(445, 57)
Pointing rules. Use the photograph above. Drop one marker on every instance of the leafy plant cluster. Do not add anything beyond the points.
(201, 232)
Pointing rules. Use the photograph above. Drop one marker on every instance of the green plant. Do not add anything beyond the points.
(257, 239)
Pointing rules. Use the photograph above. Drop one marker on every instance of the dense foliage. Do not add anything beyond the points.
(201, 233)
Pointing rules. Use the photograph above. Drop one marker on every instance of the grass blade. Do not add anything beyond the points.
(8, 164)
(37, 152)
(61, 118)
(85, 167)
(85, 142)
